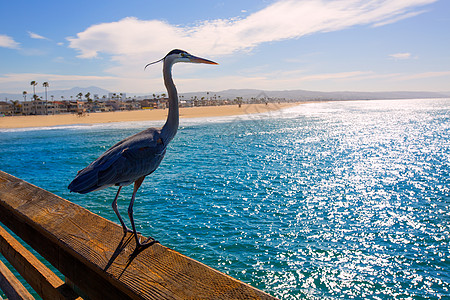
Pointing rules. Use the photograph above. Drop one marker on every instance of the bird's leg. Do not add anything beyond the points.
(150, 240)
(114, 206)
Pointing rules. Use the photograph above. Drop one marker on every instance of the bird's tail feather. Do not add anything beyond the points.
(84, 182)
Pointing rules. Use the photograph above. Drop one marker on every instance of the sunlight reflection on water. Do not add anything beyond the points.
(336, 200)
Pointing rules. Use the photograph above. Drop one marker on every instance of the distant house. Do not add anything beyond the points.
(36, 107)
(97, 106)
(57, 107)
(148, 104)
(121, 105)
(75, 107)
(163, 103)
(132, 105)
(6, 109)
(116, 105)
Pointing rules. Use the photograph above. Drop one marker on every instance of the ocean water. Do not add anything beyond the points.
(325, 200)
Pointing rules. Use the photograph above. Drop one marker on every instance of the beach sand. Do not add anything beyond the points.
(138, 115)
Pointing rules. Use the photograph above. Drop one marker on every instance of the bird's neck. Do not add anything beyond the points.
(171, 126)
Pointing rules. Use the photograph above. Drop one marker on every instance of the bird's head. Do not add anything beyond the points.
(177, 55)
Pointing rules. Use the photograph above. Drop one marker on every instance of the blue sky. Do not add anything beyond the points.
(343, 45)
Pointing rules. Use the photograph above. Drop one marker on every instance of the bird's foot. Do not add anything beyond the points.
(148, 242)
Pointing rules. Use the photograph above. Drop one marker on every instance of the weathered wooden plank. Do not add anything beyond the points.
(38, 276)
(11, 286)
(95, 255)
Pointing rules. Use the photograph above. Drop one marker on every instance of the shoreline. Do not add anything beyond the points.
(11, 122)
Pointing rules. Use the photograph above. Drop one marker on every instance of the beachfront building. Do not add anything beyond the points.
(56, 107)
(35, 107)
(74, 106)
(124, 105)
(132, 105)
(27, 108)
(115, 104)
(41, 107)
(97, 106)
(6, 109)
(163, 103)
(52, 108)
(148, 104)
(60, 107)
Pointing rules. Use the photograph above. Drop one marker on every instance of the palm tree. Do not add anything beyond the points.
(34, 84)
(89, 100)
(24, 93)
(88, 97)
(45, 85)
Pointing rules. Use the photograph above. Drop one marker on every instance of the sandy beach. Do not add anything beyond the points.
(138, 115)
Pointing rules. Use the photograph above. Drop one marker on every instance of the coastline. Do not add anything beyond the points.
(11, 122)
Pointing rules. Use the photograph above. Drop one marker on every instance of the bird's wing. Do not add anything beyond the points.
(122, 164)
(134, 160)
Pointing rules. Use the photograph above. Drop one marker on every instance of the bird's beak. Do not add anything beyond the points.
(199, 60)
(153, 63)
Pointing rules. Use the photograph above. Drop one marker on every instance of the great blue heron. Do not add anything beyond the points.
(137, 156)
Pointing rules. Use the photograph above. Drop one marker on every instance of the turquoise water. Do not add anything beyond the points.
(325, 200)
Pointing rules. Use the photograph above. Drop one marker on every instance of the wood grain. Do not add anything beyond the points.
(11, 286)
(38, 276)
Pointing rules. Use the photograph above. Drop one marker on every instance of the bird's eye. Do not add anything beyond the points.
(183, 54)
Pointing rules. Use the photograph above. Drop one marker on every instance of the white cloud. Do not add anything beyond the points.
(282, 20)
(398, 18)
(36, 36)
(130, 42)
(8, 42)
(404, 55)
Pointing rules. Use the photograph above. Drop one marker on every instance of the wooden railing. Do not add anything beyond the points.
(95, 257)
